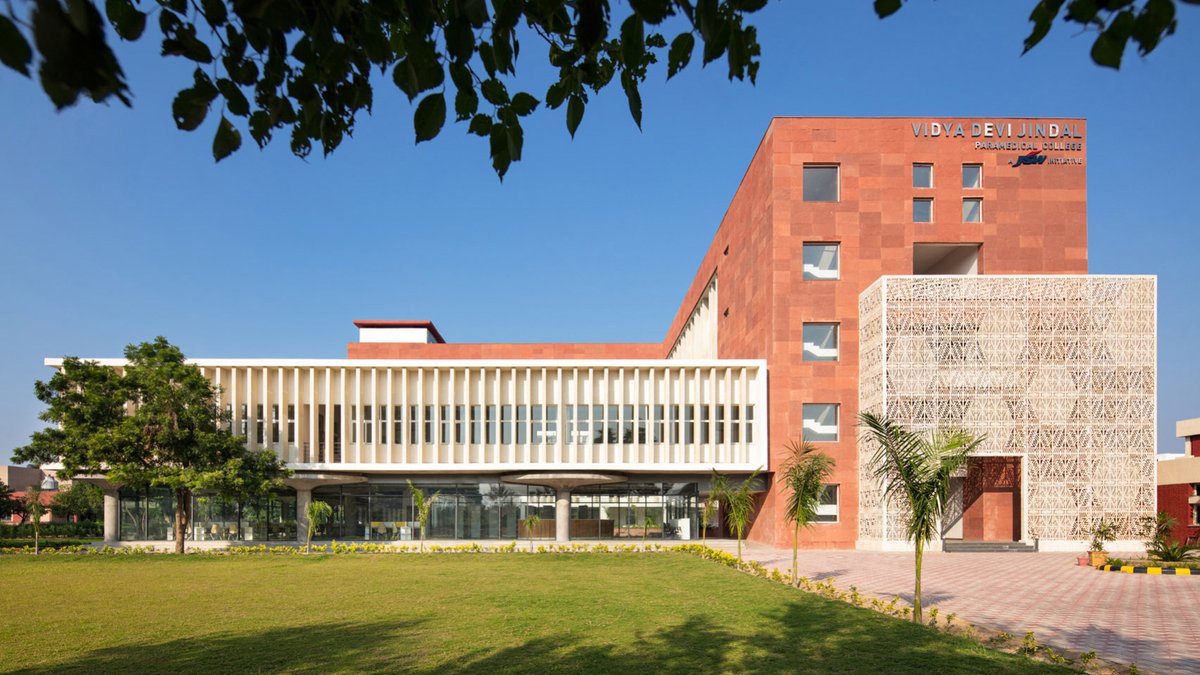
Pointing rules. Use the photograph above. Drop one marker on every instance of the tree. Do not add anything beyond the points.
(424, 506)
(9, 505)
(305, 67)
(917, 469)
(153, 423)
(1145, 22)
(81, 501)
(531, 522)
(804, 475)
(34, 507)
(647, 523)
(318, 513)
(738, 501)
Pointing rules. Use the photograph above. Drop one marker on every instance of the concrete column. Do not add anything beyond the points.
(562, 516)
(303, 498)
(111, 515)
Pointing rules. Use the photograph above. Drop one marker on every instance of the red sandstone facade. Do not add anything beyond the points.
(1034, 222)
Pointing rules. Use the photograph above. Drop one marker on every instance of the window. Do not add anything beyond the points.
(972, 210)
(820, 341)
(820, 422)
(972, 176)
(922, 175)
(827, 509)
(820, 183)
(821, 261)
(922, 210)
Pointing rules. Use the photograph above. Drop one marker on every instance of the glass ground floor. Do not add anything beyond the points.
(149, 515)
(384, 510)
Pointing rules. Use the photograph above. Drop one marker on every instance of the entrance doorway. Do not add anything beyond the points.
(991, 499)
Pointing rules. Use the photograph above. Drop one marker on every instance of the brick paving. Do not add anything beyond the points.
(1152, 621)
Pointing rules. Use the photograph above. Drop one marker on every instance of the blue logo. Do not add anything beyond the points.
(1034, 157)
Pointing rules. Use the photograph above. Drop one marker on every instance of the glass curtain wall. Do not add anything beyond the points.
(149, 515)
(635, 510)
(387, 512)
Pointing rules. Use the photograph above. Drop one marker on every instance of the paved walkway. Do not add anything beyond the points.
(1153, 621)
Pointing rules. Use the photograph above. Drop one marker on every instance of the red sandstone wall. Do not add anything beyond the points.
(1174, 500)
(1034, 222)
(380, 350)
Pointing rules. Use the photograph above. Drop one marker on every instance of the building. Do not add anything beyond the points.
(19, 479)
(934, 270)
(1179, 484)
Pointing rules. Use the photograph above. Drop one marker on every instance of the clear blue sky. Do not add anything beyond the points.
(117, 227)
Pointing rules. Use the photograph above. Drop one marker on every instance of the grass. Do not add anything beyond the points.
(462, 613)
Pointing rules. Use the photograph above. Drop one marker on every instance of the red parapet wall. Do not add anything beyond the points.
(500, 351)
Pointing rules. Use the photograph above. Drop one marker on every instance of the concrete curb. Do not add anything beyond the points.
(1131, 569)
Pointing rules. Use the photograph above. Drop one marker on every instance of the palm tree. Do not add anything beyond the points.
(647, 523)
(918, 468)
(35, 510)
(318, 513)
(424, 506)
(739, 503)
(531, 522)
(707, 513)
(804, 475)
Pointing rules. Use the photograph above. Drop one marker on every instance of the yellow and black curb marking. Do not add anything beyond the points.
(1131, 569)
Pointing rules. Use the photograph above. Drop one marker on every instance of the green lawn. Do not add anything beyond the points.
(602, 613)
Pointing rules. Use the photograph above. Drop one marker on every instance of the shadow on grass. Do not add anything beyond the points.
(312, 648)
(801, 638)
(843, 641)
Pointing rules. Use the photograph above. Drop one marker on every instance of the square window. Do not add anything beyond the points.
(820, 183)
(820, 342)
(922, 210)
(922, 175)
(827, 509)
(820, 422)
(821, 261)
(972, 176)
(972, 210)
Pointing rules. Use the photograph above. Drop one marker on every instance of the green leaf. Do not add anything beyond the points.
(523, 104)
(494, 91)
(629, 84)
(652, 11)
(633, 41)
(127, 20)
(191, 105)
(886, 8)
(481, 125)
(501, 156)
(591, 23)
(460, 40)
(14, 48)
(226, 140)
(574, 114)
(1042, 17)
(234, 98)
(430, 116)
(466, 103)
(680, 53)
(215, 11)
(1109, 46)
(556, 94)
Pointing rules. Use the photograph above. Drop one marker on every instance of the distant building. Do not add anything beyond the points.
(1179, 483)
(20, 478)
